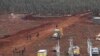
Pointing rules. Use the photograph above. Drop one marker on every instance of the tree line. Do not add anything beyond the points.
(48, 7)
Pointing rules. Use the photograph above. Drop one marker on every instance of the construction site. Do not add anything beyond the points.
(41, 33)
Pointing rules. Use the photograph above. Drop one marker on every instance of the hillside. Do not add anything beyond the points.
(78, 27)
(21, 39)
(10, 26)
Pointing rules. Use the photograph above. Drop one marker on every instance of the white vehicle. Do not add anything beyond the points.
(95, 50)
(98, 37)
(55, 35)
(42, 52)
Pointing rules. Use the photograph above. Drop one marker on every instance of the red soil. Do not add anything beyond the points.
(72, 26)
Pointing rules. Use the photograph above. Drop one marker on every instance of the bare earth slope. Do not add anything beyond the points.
(72, 27)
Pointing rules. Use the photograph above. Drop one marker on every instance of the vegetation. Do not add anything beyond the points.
(50, 7)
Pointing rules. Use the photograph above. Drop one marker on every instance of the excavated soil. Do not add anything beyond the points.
(80, 28)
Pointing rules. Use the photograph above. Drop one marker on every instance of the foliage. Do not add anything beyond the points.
(48, 6)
